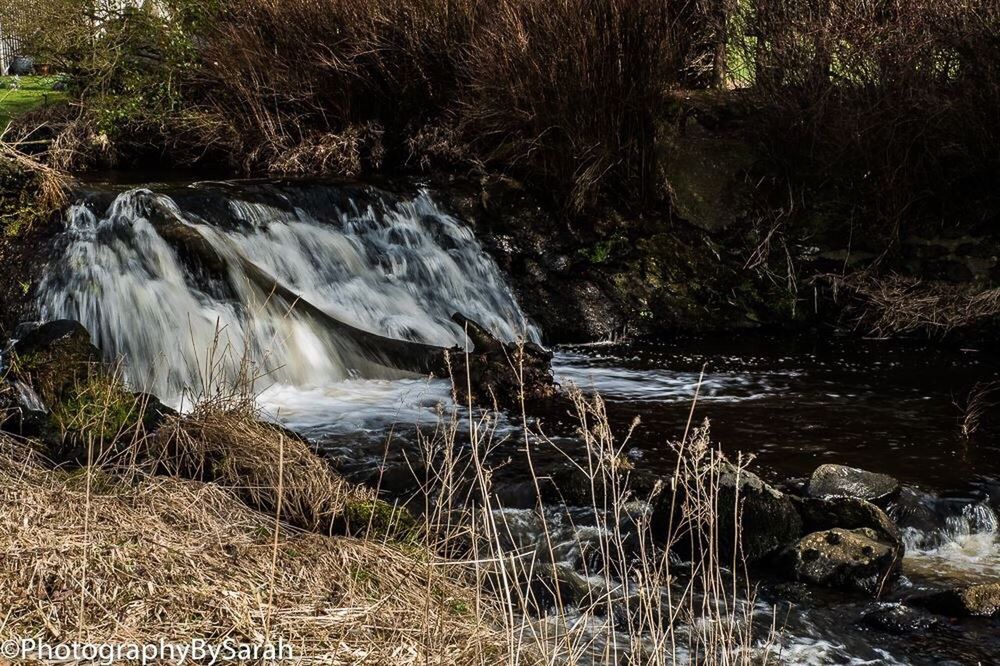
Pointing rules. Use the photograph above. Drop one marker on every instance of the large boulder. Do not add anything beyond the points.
(849, 513)
(843, 481)
(852, 559)
(753, 521)
(974, 600)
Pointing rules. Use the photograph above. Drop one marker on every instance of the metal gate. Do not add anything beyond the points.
(10, 44)
(9, 47)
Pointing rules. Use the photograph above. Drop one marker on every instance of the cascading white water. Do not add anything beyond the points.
(966, 548)
(397, 269)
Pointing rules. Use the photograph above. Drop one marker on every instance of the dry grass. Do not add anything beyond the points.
(977, 404)
(47, 194)
(93, 557)
(128, 557)
(226, 444)
(601, 588)
(898, 305)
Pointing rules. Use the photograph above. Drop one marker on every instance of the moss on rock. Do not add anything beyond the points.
(377, 519)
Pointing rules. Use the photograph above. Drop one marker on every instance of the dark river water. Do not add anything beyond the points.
(793, 404)
(796, 404)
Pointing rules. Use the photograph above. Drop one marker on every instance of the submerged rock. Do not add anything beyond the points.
(853, 559)
(974, 600)
(897, 619)
(843, 481)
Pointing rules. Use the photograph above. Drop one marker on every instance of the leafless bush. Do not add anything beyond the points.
(566, 92)
(890, 108)
(897, 305)
(562, 93)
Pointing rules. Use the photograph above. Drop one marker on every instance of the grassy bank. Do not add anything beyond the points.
(126, 523)
(108, 558)
(20, 94)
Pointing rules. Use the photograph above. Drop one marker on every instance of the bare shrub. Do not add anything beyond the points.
(888, 109)
(331, 68)
(566, 92)
(896, 305)
(561, 93)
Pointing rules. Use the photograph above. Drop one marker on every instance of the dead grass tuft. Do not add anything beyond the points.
(981, 399)
(227, 444)
(161, 558)
(47, 190)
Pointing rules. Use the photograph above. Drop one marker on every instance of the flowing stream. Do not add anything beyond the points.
(398, 269)
(327, 288)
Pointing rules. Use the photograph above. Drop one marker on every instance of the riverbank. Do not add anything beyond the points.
(111, 558)
(511, 553)
(625, 192)
(126, 523)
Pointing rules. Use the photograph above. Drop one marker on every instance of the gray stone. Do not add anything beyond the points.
(843, 481)
(852, 559)
(849, 513)
(974, 600)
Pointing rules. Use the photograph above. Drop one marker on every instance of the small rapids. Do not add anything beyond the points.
(966, 547)
(173, 286)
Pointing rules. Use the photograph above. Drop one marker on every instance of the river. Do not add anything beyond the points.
(400, 267)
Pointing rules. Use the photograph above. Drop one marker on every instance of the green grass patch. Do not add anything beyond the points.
(20, 94)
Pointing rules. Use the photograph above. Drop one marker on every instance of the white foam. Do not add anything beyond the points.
(400, 271)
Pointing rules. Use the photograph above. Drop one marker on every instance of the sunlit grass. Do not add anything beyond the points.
(20, 94)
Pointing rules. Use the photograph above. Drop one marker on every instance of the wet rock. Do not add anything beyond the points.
(916, 509)
(53, 357)
(849, 513)
(496, 373)
(154, 412)
(63, 395)
(843, 481)
(974, 600)
(852, 559)
(897, 619)
(768, 520)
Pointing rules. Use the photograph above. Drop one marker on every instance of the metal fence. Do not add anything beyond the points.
(10, 46)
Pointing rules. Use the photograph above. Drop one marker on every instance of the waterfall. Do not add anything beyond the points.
(182, 288)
